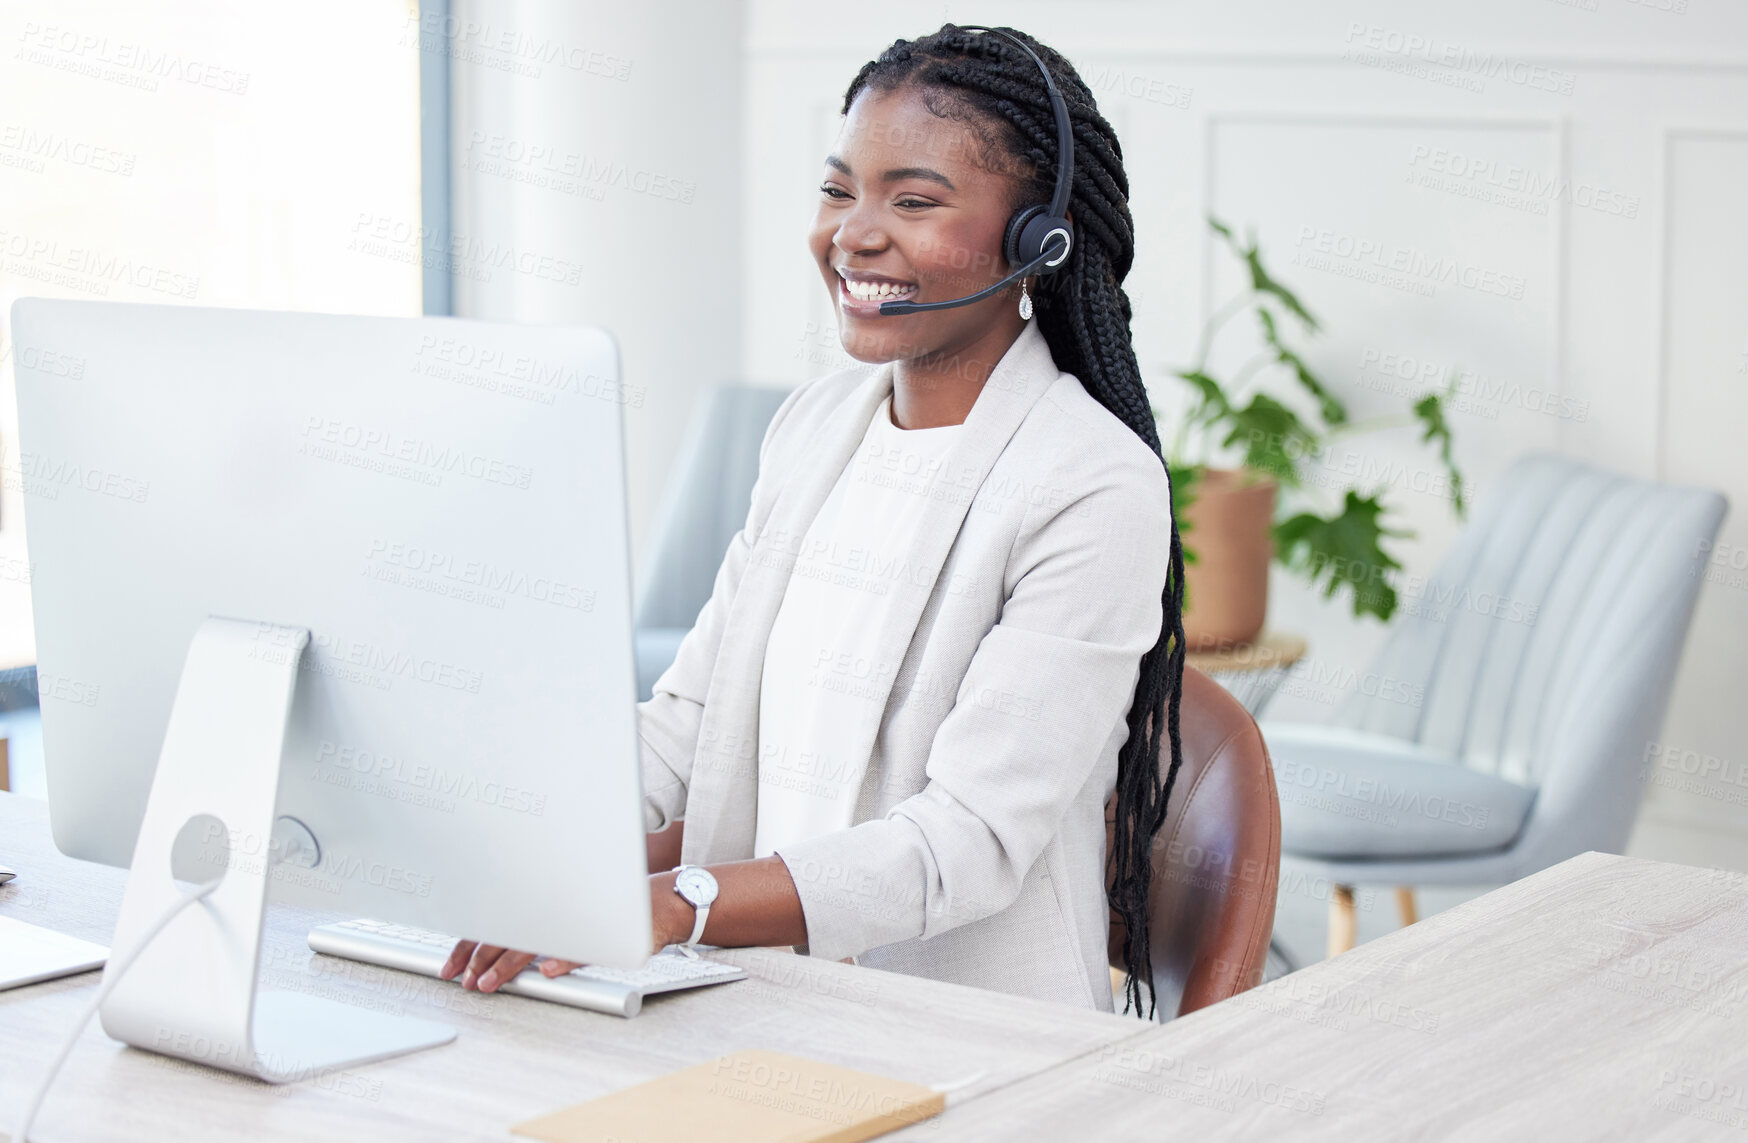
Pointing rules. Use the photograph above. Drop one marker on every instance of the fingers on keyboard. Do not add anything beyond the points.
(458, 958)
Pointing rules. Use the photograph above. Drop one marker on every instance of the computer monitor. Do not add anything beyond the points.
(440, 504)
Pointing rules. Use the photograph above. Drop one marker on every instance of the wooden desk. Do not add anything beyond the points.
(514, 1059)
(1605, 998)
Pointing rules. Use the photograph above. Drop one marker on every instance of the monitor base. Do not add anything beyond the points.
(299, 1037)
(191, 990)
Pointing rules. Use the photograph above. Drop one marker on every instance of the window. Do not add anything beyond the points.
(216, 154)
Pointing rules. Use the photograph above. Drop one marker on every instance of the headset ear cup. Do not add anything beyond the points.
(1013, 240)
(1035, 239)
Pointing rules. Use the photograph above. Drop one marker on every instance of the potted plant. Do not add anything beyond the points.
(1238, 453)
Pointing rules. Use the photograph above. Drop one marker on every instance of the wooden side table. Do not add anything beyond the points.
(1252, 672)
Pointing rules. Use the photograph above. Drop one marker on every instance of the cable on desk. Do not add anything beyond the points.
(118, 967)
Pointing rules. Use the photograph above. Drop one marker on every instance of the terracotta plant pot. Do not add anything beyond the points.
(1228, 585)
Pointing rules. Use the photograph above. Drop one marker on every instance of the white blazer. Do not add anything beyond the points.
(998, 702)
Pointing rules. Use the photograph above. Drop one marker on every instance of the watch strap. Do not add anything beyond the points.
(702, 912)
(698, 925)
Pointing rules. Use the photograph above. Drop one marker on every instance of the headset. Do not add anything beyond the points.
(1038, 237)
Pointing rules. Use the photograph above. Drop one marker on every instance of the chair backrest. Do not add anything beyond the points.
(1544, 647)
(706, 503)
(1216, 860)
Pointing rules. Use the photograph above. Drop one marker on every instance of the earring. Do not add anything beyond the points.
(1025, 303)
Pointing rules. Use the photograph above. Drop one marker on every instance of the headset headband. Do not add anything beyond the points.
(1064, 127)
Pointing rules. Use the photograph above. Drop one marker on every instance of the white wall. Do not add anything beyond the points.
(1630, 305)
(597, 143)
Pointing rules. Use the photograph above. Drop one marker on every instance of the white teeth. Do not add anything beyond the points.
(874, 291)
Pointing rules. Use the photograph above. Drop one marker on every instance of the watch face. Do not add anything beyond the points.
(696, 885)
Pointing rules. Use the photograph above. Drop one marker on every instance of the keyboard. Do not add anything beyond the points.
(617, 992)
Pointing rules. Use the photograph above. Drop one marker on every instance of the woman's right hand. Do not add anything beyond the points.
(488, 967)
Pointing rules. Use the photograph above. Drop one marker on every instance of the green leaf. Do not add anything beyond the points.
(1431, 411)
(1328, 405)
(1270, 332)
(1260, 281)
(1264, 284)
(1186, 489)
(1211, 403)
(1343, 551)
(1206, 388)
(1273, 437)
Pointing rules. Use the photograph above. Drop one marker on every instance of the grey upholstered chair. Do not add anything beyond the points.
(704, 506)
(1503, 728)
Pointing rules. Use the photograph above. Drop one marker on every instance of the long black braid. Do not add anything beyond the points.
(1084, 316)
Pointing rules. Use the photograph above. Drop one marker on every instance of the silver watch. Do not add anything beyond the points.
(698, 887)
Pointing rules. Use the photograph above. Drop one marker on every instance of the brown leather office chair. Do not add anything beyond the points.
(1216, 860)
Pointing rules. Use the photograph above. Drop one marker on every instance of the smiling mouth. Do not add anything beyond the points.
(883, 291)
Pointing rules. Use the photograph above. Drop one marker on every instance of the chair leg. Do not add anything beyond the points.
(1343, 925)
(1405, 905)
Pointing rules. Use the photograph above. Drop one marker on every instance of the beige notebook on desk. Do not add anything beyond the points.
(748, 1097)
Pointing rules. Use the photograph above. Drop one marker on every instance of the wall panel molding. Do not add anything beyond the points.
(1556, 125)
(815, 49)
(1668, 136)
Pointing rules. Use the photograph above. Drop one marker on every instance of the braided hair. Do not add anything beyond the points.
(1083, 313)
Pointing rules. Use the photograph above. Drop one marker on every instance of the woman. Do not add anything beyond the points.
(951, 626)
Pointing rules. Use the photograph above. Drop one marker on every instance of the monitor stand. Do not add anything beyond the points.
(211, 813)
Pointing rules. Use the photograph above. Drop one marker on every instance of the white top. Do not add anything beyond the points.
(820, 663)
